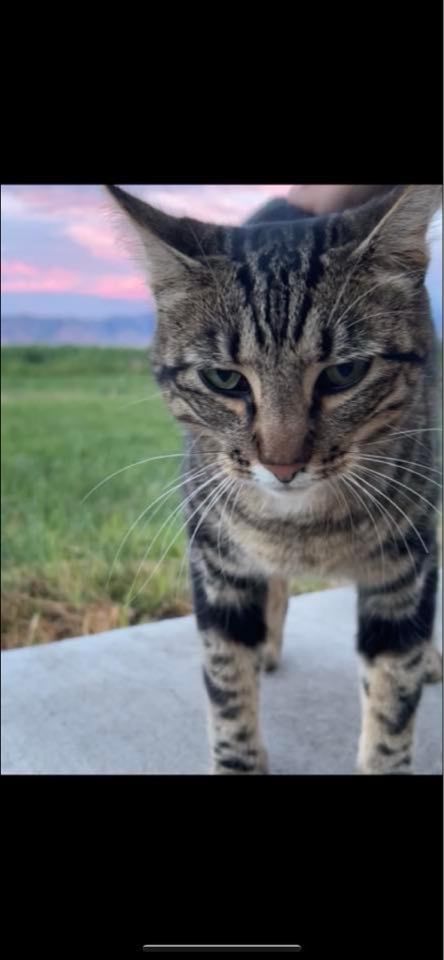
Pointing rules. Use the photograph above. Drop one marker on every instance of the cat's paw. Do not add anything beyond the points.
(433, 666)
(233, 766)
(380, 770)
(270, 658)
(384, 773)
(263, 761)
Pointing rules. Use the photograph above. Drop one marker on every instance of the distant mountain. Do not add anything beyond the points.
(112, 332)
(120, 331)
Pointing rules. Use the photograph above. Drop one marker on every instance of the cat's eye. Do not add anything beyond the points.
(226, 381)
(342, 376)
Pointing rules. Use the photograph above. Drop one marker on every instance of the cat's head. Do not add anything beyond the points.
(288, 346)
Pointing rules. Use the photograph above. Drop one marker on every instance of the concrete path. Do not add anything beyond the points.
(132, 701)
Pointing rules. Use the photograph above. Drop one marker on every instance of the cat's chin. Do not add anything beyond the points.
(288, 499)
(265, 481)
(287, 490)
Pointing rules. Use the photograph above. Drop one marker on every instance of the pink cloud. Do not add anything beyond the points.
(17, 268)
(21, 277)
(103, 232)
(89, 219)
(219, 204)
(99, 241)
(51, 201)
(115, 287)
(74, 204)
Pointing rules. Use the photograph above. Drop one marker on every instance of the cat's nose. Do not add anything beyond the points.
(284, 471)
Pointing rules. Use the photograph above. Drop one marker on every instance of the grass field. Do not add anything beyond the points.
(70, 417)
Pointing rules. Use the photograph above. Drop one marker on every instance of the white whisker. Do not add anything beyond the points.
(338, 490)
(138, 463)
(160, 501)
(222, 488)
(191, 541)
(233, 505)
(384, 280)
(222, 514)
(133, 403)
(386, 497)
(404, 485)
(373, 316)
(405, 433)
(393, 462)
(385, 513)
(156, 537)
(367, 508)
(145, 584)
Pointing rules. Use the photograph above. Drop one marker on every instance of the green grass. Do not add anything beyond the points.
(70, 417)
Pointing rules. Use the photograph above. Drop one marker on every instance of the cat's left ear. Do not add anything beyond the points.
(397, 236)
(172, 245)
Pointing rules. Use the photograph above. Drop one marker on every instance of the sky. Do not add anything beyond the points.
(63, 252)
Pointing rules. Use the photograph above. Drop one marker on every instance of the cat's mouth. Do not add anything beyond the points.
(305, 478)
(311, 476)
(266, 480)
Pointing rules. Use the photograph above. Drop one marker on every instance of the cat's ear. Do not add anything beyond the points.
(397, 226)
(172, 246)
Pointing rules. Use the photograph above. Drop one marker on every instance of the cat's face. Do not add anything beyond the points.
(288, 347)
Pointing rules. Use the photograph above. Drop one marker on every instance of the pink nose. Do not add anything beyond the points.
(285, 471)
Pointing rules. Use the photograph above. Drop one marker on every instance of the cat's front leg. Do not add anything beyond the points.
(230, 613)
(276, 610)
(397, 658)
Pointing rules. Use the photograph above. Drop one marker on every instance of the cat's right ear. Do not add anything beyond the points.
(396, 227)
(170, 244)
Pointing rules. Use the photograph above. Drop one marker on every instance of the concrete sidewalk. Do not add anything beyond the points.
(132, 701)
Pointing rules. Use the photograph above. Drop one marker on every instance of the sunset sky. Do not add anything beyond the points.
(62, 254)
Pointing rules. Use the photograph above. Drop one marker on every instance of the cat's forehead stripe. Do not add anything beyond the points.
(278, 283)
(314, 274)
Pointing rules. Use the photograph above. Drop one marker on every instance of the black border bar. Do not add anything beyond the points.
(234, 948)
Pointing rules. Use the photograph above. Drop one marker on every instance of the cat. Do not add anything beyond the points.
(299, 354)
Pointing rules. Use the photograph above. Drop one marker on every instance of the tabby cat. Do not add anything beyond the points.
(299, 354)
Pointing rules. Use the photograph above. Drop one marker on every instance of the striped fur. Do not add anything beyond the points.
(279, 300)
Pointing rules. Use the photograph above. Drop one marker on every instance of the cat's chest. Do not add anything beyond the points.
(288, 546)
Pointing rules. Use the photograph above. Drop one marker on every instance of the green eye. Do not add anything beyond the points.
(227, 381)
(342, 376)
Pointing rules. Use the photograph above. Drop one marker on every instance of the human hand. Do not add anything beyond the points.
(331, 198)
